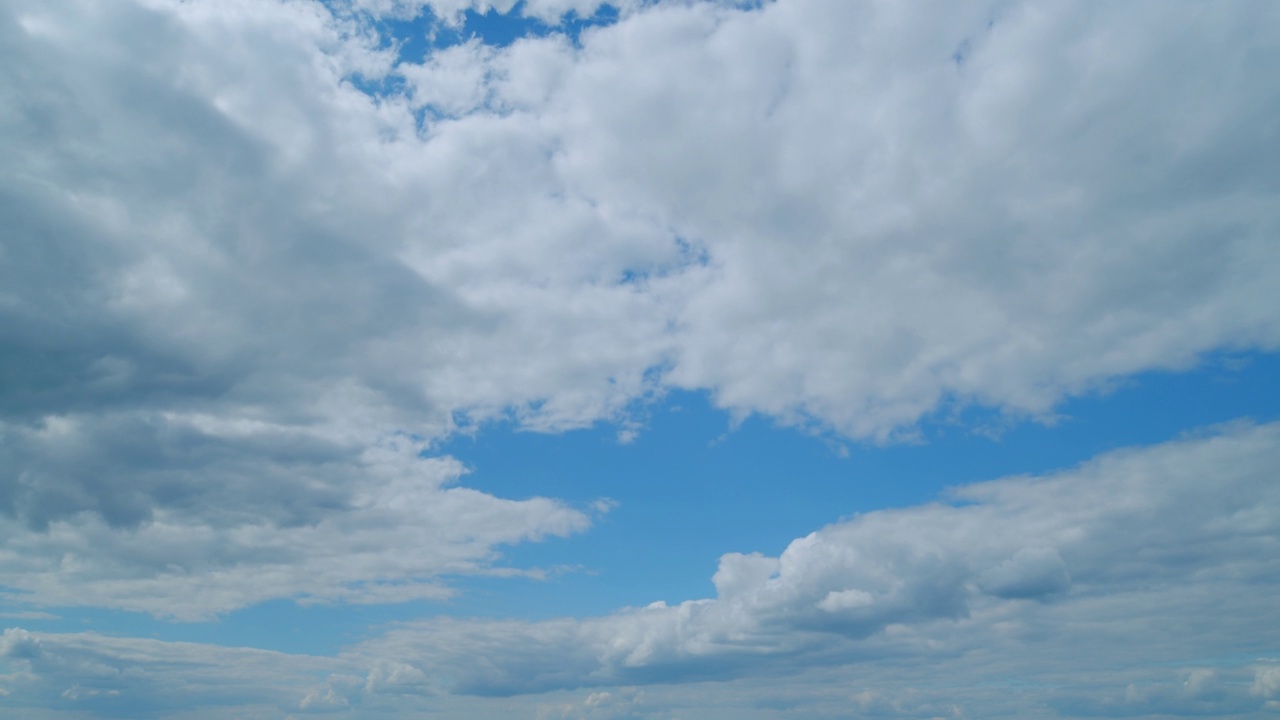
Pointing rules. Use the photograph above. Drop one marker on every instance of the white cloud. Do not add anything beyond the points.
(243, 524)
(888, 228)
(874, 226)
(227, 272)
(1097, 562)
(452, 80)
(1173, 570)
(871, 225)
(132, 677)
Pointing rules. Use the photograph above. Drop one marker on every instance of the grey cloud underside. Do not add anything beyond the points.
(230, 280)
(232, 525)
(1139, 584)
(126, 677)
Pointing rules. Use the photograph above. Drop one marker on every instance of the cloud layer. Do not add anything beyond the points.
(1162, 563)
(240, 525)
(255, 264)
(809, 209)
(1111, 550)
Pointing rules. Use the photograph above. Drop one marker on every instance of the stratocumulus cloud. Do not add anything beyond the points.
(1126, 533)
(994, 583)
(260, 260)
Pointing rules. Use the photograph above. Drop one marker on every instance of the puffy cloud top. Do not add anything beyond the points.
(1157, 535)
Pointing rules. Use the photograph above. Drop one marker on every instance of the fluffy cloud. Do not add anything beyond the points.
(1138, 584)
(254, 264)
(214, 522)
(992, 205)
(238, 257)
(1087, 563)
(789, 206)
(205, 403)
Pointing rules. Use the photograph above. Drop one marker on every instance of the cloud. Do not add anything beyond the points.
(239, 258)
(29, 615)
(1031, 572)
(849, 230)
(240, 525)
(895, 613)
(889, 228)
(133, 677)
(1198, 692)
(1097, 561)
(205, 410)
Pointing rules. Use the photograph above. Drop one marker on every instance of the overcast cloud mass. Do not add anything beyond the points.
(261, 259)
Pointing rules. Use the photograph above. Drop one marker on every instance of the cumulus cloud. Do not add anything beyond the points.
(245, 244)
(955, 609)
(1128, 543)
(186, 431)
(808, 221)
(239, 526)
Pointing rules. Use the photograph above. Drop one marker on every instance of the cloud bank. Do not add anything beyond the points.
(1162, 560)
(1127, 542)
(256, 263)
(228, 259)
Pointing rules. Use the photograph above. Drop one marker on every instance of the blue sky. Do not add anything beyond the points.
(705, 359)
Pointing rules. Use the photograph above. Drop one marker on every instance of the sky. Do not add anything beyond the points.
(662, 359)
